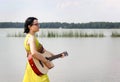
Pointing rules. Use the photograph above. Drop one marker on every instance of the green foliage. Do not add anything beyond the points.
(115, 34)
(53, 34)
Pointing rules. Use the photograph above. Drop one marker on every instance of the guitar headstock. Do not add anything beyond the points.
(65, 53)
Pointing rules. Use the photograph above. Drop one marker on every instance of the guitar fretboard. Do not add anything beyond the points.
(57, 56)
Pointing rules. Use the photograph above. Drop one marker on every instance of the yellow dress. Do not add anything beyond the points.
(29, 75)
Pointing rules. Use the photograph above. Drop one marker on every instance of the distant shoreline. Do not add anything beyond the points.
(90, 25)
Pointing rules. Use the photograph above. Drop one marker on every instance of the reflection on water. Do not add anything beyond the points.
(89, 60)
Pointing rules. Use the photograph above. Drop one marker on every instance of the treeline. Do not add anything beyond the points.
(90, 25)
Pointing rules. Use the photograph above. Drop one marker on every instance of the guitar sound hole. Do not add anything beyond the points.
(41, 64)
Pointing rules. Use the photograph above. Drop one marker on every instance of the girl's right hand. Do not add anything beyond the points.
(48, 64)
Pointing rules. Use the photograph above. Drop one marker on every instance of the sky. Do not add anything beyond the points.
(71, 11)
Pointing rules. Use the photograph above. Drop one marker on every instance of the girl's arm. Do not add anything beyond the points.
(36, 54)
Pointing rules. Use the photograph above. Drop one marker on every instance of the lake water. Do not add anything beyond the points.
(89, 60)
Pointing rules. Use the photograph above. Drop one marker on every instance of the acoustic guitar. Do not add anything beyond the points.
(39, 67)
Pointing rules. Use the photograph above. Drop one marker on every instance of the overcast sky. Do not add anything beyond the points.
(76, 11)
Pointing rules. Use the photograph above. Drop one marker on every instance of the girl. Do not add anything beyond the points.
(32, 46)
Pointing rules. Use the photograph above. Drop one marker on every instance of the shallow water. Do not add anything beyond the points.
(89, 60)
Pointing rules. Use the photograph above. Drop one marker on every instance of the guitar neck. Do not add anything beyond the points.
(57, 56)
(54, 57)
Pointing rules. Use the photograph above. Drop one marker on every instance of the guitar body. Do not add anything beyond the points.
(38, 66)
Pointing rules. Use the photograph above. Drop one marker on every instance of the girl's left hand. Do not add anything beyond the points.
(62, 56)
